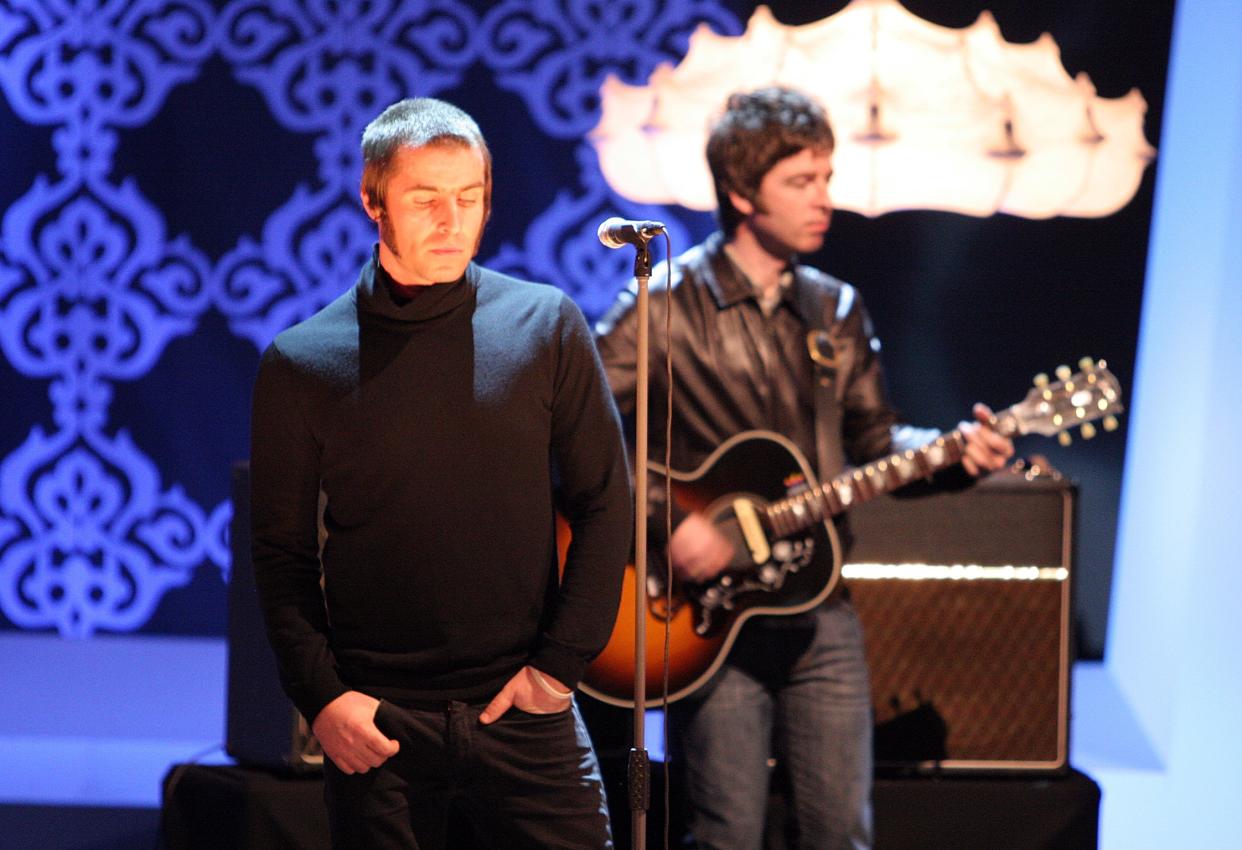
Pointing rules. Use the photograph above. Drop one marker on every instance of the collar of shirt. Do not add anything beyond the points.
(378, 293)
(731, 285)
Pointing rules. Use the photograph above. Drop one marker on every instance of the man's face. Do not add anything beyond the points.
(433, 216)
(792, 210)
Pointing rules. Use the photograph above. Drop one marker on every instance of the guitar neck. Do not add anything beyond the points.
(863, 484)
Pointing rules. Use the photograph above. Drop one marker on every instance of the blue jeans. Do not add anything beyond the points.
(525, 781)
(795, 689)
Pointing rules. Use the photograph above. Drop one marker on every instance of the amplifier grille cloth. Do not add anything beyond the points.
(964, 670)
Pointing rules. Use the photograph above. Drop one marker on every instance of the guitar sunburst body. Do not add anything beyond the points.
(772, 575)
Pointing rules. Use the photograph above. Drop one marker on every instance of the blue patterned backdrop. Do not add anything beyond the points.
(179, 183)
(97, 524)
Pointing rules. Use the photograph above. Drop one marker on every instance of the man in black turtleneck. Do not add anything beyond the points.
(441, 408)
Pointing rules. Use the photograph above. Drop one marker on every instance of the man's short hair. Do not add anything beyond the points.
(414, 123)
(757, 130)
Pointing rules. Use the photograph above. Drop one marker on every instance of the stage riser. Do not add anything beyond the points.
(77, 828)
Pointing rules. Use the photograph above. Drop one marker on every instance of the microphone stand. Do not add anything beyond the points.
(639, 774)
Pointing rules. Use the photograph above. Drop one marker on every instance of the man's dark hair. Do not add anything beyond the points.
(757, 130)
(414, 123)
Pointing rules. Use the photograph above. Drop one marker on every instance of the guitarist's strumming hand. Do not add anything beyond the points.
(698, 550)
(986, 449)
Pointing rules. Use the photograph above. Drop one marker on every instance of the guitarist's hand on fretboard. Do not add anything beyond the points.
(698, 550)
(987, 450)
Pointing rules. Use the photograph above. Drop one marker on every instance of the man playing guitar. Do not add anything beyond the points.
(762, 343)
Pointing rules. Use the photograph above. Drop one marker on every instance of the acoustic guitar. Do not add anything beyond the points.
(762, 495)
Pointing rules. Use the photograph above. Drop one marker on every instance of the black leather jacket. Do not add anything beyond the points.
(737, 369)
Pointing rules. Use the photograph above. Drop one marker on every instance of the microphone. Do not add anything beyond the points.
(615, 232)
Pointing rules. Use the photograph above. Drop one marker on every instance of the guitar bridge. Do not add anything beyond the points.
(718, 598)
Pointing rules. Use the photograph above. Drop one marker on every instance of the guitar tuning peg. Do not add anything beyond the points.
(1064, 438)
(1110, 423)
(1041, 380)
(1064, 372)
(1086, 364)
(1087, 430)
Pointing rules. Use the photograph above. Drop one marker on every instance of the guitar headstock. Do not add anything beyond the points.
(1073, 400)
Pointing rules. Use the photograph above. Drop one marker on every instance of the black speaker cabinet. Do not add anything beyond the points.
(263, 727)
(965, 603)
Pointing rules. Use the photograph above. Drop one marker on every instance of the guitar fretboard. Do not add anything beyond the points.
(1050, 408)
(815, 504)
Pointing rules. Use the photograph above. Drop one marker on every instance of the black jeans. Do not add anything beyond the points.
(525, 781)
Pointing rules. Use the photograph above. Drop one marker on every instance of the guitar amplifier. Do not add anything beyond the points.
(965, 603)
(263, 728)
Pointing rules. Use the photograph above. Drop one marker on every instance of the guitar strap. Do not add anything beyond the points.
(823, 307)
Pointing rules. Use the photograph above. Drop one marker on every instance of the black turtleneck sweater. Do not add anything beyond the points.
(439, 428)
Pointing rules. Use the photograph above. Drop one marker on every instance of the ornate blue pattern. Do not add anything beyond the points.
(95, 64)
(327, 67)
(555, 55)
(93, 289)
(311, 250)
(103, 291)
(101, 542)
